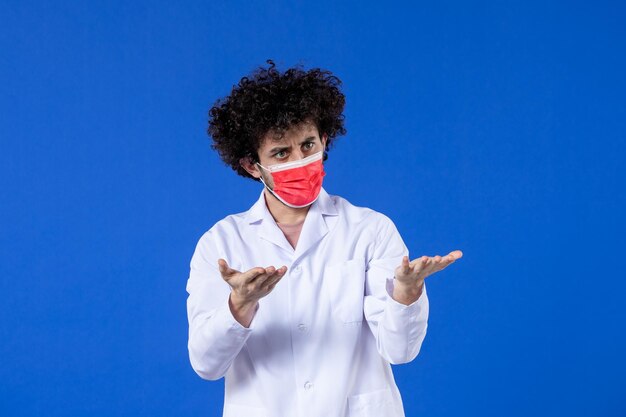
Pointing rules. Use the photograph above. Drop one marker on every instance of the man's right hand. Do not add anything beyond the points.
(248, 288)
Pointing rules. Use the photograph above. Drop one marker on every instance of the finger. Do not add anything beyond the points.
(270, 282)
(440, 262)
(445, 261)
(225, 270)
(452, 256)
(222, 265)
(252, 274)
(281, 271)
(263, 276)
(456, 254)
(406, 266)
(418, 261)
(427, 266)
(417, 265)
(423, 264)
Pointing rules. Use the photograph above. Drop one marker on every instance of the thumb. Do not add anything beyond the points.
(405, 264)
(225, 270)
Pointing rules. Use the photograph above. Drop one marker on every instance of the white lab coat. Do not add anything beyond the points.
(321, 343)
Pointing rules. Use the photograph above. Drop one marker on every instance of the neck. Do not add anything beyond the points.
(282, 213)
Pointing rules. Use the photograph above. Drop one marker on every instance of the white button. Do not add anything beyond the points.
(308, 385)
(297, 269)
(302, 327)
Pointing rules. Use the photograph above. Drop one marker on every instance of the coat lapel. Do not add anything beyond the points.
(262, 222)
(320, 219)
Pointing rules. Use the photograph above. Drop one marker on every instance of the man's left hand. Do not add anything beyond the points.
(410, 275)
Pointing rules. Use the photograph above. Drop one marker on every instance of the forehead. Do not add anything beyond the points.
(293, 134)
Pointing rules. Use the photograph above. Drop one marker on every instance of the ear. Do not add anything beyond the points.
(250, 167)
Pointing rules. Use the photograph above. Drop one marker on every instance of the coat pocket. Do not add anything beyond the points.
(372, 404)
(345, 285)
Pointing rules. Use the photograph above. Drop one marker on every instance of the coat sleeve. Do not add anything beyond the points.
(399, 329)
(215, 337)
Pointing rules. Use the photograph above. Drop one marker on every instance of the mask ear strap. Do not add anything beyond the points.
(262, 166)
(272, 191)
(261, 177)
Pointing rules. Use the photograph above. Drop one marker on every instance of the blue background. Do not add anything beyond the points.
(497, 128)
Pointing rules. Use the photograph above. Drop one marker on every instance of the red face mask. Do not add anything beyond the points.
(298, 183)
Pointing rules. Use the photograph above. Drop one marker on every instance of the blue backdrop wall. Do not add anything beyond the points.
(497, 128)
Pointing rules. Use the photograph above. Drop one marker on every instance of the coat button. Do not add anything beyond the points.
(302, 327)
(297, 269)
(308, 385)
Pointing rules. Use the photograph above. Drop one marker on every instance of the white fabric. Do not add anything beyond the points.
(321, 343)
(293, 164)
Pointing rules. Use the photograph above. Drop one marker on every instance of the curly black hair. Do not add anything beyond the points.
(270, 101)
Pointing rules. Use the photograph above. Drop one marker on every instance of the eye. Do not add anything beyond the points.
(309, 145)
(280, 155)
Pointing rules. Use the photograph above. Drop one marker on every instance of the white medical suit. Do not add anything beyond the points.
(321, 343)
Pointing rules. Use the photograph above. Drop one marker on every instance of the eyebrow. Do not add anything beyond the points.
(284, 148)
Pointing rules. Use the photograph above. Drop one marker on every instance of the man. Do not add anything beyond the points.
(303, 301)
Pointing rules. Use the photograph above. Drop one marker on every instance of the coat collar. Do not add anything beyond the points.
(319, 220)
(259, 210)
